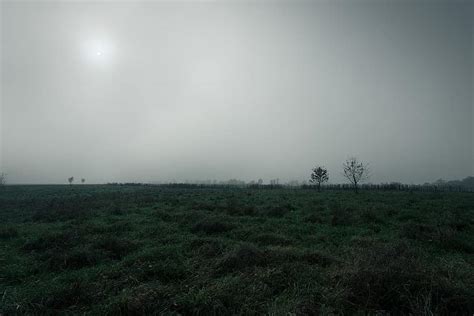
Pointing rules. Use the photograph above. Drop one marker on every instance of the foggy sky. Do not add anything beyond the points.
(157, 91)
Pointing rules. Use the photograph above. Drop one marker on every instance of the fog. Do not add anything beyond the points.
(157, 91)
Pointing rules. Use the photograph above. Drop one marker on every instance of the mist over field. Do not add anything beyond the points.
(175, 91)
(237, 157)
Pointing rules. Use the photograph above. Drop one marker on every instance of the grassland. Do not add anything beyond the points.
(162, 250)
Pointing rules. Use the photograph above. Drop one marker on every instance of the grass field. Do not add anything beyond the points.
(163, 250)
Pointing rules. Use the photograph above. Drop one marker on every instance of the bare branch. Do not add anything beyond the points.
(355, 171)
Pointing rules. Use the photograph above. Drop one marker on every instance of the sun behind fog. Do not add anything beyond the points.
(99, 52)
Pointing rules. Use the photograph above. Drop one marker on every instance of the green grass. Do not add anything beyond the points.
(161, 250)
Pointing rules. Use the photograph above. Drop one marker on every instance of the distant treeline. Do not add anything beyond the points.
(396, 187)
(465, 185)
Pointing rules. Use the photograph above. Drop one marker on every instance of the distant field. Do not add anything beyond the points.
(162, 250)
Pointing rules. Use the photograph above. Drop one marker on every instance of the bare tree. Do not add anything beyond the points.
(3, 179)
(83, 180)
(71, 180)
(355, 171)
(319, 175)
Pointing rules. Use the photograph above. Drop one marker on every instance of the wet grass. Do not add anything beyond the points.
(162, 250)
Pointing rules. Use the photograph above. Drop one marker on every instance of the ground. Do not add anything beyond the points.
(175, 250)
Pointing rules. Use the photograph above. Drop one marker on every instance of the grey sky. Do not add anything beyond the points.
(156, 91)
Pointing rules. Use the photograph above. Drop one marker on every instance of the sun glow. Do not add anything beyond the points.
(99, 52)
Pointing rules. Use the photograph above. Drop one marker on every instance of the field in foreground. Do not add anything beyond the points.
(162, 250)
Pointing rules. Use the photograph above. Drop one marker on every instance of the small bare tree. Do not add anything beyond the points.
(3, 179)
(83, 180)
(71, 180)
(355, 171)
(319, 175)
